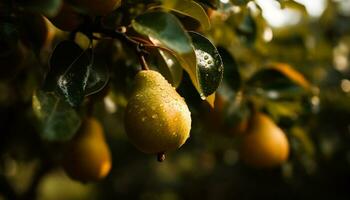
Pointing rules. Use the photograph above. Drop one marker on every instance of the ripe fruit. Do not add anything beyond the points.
(157, 118)
(97, 7)
(67, 19)
(88, 157)
(264, 144)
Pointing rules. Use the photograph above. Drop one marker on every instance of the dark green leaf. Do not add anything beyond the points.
(70, 68)
(98, 75)
(72, 83)
(209, 64)
(278, 109)
(64, 54)
(170, 68)
(274, 84)
(58, 121)
(164, 27)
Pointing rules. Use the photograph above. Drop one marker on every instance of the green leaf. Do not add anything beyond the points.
(72, 83)
(280, 80)
(64, 54)
(85, 72)
(189, 8)
(210, 68)
(58, 121)
(170, 68)
(165, 28)
(98, 75)
(280, 109)
(69, 72)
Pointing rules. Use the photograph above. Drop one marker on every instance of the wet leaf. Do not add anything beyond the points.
(165, 28)
(58, 121)
(210, 68)
(64, 54)
(72, 83)
(98, 75)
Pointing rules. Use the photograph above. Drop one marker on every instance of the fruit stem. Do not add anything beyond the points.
(161, 156)
(141, 56)
(120, 34)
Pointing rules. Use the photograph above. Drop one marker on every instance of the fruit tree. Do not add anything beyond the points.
(174, 99)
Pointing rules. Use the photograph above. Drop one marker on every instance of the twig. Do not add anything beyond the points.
(140, 52)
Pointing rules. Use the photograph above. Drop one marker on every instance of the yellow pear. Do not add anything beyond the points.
(157, 118)
(264, 144)
(88, 157)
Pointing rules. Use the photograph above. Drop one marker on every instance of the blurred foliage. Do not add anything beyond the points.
(293, 66)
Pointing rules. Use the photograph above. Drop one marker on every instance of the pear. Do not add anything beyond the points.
(88, 157)
(157, 118)
(264, 144)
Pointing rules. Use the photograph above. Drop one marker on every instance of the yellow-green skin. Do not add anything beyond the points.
(264, 144)
(88, 157)
(97, 7)
(157, 118)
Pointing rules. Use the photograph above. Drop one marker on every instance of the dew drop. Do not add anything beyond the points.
(210, 62)
(203, 97)
(154, 116)
(206, 57)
